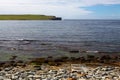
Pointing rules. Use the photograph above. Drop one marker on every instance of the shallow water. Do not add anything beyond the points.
(83, 35)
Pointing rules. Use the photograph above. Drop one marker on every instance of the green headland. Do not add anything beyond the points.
(29, 17)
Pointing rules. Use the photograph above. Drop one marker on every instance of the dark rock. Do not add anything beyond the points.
(37, 67)
(57, 18)
(21, 64)
(74, 51)
(38, 61)
(73, 58)
(1, 64)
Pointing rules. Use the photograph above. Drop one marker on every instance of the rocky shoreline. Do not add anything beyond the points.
(59, 69)
(62, 62)
(63, 72)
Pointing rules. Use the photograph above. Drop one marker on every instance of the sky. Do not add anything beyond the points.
(67, 9)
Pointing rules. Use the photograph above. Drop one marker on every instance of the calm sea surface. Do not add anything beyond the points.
(104, 32)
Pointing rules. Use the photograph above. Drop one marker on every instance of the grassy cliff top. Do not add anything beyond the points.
(27, 17)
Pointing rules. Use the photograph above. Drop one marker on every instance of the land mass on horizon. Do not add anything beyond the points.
(29, 17)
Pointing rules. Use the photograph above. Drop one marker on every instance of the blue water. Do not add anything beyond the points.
(66, 30)
(27, 38)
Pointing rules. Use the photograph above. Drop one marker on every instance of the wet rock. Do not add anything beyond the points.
(92, 51)
(74, 51)
(13, 49)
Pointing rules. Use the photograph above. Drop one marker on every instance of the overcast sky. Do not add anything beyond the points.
(68, 9)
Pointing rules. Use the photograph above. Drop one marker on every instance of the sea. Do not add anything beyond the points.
(65, 30)
(97, 35)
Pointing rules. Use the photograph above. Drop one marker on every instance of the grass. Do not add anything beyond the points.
(26, 17)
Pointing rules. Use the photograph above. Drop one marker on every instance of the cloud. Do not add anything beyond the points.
(64, 8)
(98, 2)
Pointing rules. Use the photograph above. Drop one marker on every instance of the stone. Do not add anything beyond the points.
(1, 77)
(37, 67)
(82, 79)
(8, 69)
(74, 51)
(30, 76)
(7, 79)
(99, 73)
(71, 79)
(37, 76)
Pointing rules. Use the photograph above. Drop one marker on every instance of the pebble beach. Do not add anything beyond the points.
(64, 72)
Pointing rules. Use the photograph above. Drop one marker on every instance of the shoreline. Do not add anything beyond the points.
(86, 65)
(66, 71)
(90, 60)
(28, 49)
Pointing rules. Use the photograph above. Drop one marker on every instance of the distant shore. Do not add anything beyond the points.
(29, 17)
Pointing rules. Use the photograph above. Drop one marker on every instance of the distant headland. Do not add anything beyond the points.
(29, 17)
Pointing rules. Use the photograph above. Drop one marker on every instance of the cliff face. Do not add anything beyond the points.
(28, 17)
(57, 18)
